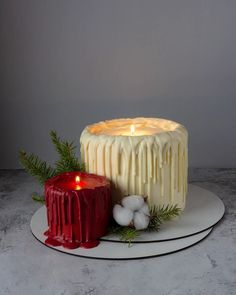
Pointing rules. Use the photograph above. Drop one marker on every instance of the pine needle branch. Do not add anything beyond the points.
(154, 223)
(36, 167)
(125, 233)
(159, 214)
(168, 212)
(38, 198)
(67, 156)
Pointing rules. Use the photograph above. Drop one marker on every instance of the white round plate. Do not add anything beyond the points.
(116, 251)
(203, 210)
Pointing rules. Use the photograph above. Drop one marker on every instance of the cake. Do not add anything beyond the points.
(78, 209)
(140, 156)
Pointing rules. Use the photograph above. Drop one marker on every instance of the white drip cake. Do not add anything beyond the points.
(140, 156)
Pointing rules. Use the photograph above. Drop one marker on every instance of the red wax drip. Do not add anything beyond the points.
(77, 218)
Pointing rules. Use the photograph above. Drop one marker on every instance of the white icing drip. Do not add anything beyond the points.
(153, 165)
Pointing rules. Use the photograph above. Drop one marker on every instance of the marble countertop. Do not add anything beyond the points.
(28, 267)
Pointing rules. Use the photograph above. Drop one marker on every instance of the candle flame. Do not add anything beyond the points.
(77, 179)
(132, 129)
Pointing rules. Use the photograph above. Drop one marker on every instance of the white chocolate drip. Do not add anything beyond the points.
(154, 165)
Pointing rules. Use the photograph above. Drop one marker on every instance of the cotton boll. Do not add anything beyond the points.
(145, 209)
(123, 216)
(133, 202)
(140, 220)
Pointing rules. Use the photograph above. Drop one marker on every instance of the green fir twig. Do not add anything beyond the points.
(159, 214)
(42, 171)
(125, 233)
(36, 167)
(168, 212)
(67, 157)
(38, 198)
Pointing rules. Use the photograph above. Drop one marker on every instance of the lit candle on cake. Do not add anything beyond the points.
(77, 182)
(132, 130)
(143, 156)
(78, 209)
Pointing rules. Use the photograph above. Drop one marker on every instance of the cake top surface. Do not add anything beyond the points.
(133, 127)
(77, 181)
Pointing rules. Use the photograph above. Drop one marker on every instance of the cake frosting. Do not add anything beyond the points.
(143, 156)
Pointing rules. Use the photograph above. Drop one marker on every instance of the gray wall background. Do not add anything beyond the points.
(65, 64)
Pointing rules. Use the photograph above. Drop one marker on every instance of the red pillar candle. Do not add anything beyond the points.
(78, 209)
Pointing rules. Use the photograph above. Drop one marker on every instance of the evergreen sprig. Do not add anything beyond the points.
(159, 214)
(66, 150)
(42, 171)
(38, 198)
(125, 233)
(36, 167)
